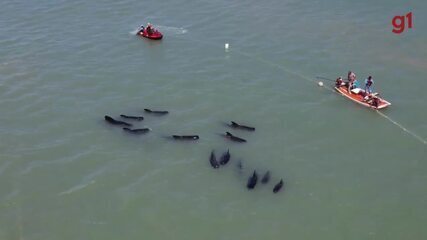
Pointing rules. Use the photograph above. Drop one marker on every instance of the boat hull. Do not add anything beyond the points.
(156, 35)
(359, 98)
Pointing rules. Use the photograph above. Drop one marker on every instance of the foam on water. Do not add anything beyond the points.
(134, 32)
(171, 30)
(77, 188)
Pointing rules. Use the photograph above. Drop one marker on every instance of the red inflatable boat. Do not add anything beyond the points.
(155, 35)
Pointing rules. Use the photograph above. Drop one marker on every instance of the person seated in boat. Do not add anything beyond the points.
(141, 29)
(339, 82)
(368, 84)
(372, 100)
(150, 29)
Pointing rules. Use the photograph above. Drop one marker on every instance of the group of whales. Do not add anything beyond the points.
(126, 125)
(252, 180)
(143, 130)
(224, 159)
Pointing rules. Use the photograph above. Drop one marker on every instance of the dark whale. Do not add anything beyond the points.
(252, 181)
(240, 165)
(234, 138)
(278, 186)
(115, 122)
(137, 131)
(132, 117)
(225, 158)
(185, 137)
(156, 112)
(213, 161)
(266, 177)
(236, 125)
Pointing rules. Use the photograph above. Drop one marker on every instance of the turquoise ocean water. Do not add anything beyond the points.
(349, 172)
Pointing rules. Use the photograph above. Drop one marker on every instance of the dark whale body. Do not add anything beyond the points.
(137, 131)
(225, 158)
(137, 118)
(278, 186)
(240, 165)
(234, 138)
(252, 181)
(212, 159)
(185, 137)
(155, 112)
(266, 177)
(240, 126)
(115, 122)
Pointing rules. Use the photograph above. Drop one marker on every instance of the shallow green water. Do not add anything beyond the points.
(350, 173)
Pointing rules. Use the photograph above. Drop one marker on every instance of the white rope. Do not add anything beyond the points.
(420, 139)
(403, 128)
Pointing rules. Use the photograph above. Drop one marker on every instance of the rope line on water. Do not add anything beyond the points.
(273, 64)
(311, 80)
(403, 128)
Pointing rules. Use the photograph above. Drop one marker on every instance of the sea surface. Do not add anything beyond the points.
(350, 172)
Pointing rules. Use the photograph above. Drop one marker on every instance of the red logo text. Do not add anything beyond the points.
(400, 22)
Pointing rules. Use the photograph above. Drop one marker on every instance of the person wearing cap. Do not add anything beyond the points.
(368, 85)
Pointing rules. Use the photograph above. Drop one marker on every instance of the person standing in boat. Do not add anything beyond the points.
(352, 83)
(368, 85)
(351, 76)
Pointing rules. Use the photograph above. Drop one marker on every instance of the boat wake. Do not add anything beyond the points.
(171, 30)
(134, 32)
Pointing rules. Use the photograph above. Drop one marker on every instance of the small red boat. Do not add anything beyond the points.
(155, 35)
(368, 100)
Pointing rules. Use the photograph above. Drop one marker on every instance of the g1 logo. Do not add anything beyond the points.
(399, 23)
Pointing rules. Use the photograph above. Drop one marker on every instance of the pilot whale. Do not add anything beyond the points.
(115, 122)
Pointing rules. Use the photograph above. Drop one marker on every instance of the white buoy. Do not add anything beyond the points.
(226, 46)
(320, 84)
